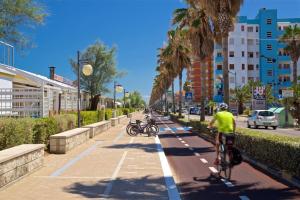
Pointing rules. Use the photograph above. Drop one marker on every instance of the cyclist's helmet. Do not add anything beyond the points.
(223, 106)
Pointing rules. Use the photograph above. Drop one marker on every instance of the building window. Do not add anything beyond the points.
(250, 78)
(250, 28)
(231, 79)
(284, 78)
(243, 79)
(243, 66)
(243, 41)
(250, 54)
(231, 66)
(219, 67)
(257, 54)
(269, 47)
(250, 67)
(286, 66)
(242, 28)
(269, 21)
(231, 41)
(256, 29)
(219, 54)
(269, 34)
(243, 53)
(257, 66)
(270, 72)
(257, 41)
(250, 41)
(231, 53)
(280, 66)
(269, 60)
(279, 28)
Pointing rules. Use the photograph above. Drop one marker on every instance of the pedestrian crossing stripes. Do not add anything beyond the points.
(175, 129)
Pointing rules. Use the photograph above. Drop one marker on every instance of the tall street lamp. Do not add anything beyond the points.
(126, 94)
(117, 88)
(87, 70)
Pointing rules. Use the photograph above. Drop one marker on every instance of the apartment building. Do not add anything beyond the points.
(255, 53)
(194, 77)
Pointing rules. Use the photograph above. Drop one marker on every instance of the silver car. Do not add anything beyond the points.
(262, 118)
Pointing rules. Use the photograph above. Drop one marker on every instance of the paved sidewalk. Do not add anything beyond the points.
(110, 166)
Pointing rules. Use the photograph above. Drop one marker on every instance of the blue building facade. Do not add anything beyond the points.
(255, 53)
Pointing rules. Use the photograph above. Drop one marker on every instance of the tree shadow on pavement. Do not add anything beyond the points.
(169, 151)
(146, 187)
(212, 187)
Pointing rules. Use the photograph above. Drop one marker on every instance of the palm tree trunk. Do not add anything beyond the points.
(180, 93)
(295, 78)
(225, 68)
(173, 97)
(166, 100)
(203, 93)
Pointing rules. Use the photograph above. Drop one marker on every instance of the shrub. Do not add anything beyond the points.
(15, 132)
(247, 111)
(277, 151)
(108, 114)
(89, 117)
(125, 111)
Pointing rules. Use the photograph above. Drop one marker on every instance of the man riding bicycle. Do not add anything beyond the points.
(225, 124)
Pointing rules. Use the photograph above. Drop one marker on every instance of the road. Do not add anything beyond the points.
(242, 123)
(191, 158)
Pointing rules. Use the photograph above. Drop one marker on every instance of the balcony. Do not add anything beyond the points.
(219, 59)
(284, 58)
(285, 84)
(285, 71)
(219, 72)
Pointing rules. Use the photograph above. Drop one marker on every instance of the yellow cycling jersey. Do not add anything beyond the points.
(224, 121)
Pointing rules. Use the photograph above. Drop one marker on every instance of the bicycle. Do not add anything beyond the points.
(130, 124)
(225, 155)
(150, 128)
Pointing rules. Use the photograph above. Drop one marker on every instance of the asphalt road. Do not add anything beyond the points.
(191, 160)
(241, 122)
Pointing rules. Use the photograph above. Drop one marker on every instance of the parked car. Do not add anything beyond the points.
(262, 118)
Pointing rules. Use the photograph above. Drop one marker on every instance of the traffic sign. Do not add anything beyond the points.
(188, 96)
(287, 93)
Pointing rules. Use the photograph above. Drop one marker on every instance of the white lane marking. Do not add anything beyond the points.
(214, 170)
(180, 128)
(187, 145)
(115, 174)
(168, 129)
(61, 170)
(227, 183)
(197, 154)
(169, 180)
(244, 198)
(203, 160)
(179, 139)
(183, 142)
(191, 149)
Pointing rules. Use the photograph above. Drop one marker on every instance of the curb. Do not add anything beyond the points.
(279, 174)
(282, 175)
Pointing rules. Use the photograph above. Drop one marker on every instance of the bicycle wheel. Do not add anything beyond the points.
(227, 168)
(152, 130)
(128, 127)
(133, 131)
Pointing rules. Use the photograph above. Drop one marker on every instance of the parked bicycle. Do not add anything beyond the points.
(150, 128)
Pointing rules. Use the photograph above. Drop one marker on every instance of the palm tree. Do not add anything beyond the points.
(222, 14)
(200, 36)
(178, 51)
(292, 38)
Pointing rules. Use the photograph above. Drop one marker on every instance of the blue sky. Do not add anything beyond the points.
(136, 27)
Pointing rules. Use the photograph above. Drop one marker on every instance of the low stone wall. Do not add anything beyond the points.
(114, 121)
(20, 160)
(122, 118)
(65, 141)
(98, 128)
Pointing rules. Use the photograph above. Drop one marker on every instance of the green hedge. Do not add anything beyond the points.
(277, 151)
(28, 130)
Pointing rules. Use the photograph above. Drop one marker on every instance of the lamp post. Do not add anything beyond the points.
(115, 91)
(87, 70)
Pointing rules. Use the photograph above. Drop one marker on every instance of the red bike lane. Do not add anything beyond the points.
(191, 159)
